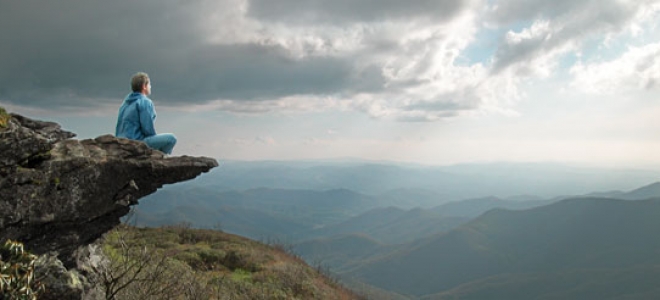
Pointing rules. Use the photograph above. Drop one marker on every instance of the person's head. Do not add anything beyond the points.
(140, 83)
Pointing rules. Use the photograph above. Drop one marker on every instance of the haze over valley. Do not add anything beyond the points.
(409, 231)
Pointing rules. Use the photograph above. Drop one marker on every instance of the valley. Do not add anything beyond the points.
(422, 242)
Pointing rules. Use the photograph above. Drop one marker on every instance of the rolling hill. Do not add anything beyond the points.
(471, 208)
(256, 213)
(574, 235)
(339, 251)
(391, 225)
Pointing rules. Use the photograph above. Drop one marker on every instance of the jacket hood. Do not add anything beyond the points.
(132, 97)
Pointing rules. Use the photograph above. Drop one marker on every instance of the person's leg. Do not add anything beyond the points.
(164, 142)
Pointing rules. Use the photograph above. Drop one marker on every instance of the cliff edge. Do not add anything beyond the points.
(58, 195)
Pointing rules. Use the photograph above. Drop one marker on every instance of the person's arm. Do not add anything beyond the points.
(147, 116)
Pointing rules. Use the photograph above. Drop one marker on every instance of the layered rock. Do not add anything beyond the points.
(58, 194)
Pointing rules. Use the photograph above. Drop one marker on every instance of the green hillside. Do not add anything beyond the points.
(577, 234)
(177, 262)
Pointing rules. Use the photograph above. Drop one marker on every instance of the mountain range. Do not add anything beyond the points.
(418, 241)
(444, 183)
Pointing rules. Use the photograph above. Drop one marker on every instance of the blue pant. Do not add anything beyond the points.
(164, 142)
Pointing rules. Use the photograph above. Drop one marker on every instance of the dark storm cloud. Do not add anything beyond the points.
(59, 52)
(74, 52)
(250, 72)
(340, 11)
(511, 11)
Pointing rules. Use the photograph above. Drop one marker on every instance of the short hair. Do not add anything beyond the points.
(138, 81)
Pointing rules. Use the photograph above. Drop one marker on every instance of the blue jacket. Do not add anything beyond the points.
(136, 117)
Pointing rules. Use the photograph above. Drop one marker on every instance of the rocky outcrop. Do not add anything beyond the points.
(58, 195)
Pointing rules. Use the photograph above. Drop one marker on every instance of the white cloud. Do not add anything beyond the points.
(409, 65)
(636, 69)
(256, 141)
(559, 27)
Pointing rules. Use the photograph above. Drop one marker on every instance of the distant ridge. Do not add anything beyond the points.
(451, 183)
(392, 225)
(574, 234)
(471, 208)
(645, 192)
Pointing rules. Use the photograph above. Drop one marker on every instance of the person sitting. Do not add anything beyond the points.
(137, 116)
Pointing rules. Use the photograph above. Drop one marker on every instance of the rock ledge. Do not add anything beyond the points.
(58, 195)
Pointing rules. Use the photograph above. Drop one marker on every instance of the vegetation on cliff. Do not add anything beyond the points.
(4, 118)
(17, 272)
(177, 262)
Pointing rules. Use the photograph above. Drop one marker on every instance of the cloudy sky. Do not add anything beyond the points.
(430, 81)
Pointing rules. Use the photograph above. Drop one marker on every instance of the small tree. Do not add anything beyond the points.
(136, 272)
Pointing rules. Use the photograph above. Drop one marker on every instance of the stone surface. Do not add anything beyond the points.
(60, 282)
(58, 194)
